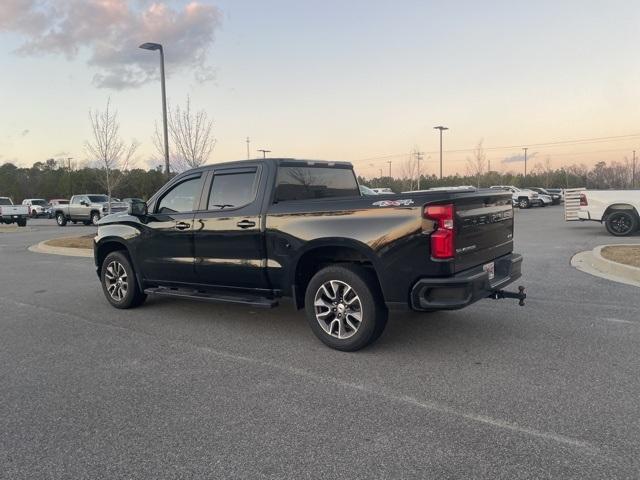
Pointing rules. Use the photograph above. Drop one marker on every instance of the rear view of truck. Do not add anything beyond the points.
(471, 237)
(10, 213)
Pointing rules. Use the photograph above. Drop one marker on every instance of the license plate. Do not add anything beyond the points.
(490, 268)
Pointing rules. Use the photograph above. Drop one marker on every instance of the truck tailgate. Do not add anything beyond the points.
(484, 229)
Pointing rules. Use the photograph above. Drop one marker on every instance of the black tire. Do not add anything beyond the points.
(87, 222)
(621, 223)
(373, 312)
(61, 220)
(22, 222)
(110, 272)
(95, 218)
(523, 203)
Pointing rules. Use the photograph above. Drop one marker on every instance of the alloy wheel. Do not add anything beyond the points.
(620, 223)
(338, 309)
(116, 280)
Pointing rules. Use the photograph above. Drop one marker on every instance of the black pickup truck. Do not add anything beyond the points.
(256, 230)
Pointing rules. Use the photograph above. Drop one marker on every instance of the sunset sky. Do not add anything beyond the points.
(363, 81)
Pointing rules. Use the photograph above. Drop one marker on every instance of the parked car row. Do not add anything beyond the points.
(88, 209)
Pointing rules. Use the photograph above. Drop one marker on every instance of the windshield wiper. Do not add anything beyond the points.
(222, 206)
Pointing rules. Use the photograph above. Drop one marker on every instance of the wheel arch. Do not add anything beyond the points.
(619, 206)
(109, 245)
(320, 253)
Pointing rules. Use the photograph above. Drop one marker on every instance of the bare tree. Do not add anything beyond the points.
(191, 137)
(409, 170)
(107, 148)
(477, 166)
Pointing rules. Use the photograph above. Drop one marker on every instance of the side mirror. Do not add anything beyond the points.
(83, 203)
(137, 209)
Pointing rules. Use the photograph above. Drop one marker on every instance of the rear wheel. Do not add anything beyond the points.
(119, 281)
(344, 307)
(61, 220)
(620, 223)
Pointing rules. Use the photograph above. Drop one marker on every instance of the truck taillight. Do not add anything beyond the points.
(443, 237)
(583, 200)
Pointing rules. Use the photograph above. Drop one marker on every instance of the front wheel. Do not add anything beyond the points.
(22, 222)
(95, 218)
(119, 281)
(344, 307)
(61, 220)
(523, 203)
(620, 223)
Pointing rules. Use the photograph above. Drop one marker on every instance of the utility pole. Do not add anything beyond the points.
(70, 184)
(389, 162)
(441, 128)
(525, 161)
(418, 159)
(248, 150)
(380, 173)
(264, 152)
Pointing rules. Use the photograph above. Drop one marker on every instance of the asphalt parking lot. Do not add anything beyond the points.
(179, 389)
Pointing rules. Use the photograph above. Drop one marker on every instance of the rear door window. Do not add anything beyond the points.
(233, 189)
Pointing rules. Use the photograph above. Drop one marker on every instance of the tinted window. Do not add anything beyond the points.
(98, 198)
(299, 183)
(5, 201)
(181, 198)
(232, 190)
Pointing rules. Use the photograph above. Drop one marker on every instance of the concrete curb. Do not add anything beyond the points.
(594, 263)
(14, 229)
(42, 247)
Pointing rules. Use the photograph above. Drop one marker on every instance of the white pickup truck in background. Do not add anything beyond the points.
(10, 213)
(617, 209)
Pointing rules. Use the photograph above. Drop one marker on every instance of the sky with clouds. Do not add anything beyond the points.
(364, 81)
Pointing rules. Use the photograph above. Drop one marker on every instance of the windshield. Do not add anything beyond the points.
(38, 202)
(5, 201)
(98, 198)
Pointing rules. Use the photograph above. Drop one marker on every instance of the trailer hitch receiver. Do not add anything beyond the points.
(519, 295)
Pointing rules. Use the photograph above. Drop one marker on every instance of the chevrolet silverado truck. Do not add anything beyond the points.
(87, 209)
(617, 209)
(10, 213)
(256, 230)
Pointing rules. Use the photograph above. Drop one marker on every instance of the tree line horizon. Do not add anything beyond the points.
(54, 179)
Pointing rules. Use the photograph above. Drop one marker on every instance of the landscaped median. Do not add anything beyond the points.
(71, 246)
(620, 263)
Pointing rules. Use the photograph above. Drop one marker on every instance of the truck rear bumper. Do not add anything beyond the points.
(465, 287)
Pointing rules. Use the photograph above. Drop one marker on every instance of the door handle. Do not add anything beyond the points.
(246, 224)
(182, 226)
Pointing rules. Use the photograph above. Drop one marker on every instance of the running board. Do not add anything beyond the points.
(227, 297)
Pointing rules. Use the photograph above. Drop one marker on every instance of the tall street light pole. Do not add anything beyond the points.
(248, 148)
(389, 162)
(525, 161)
(157, 46)
(441, 128)
(264, 152)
